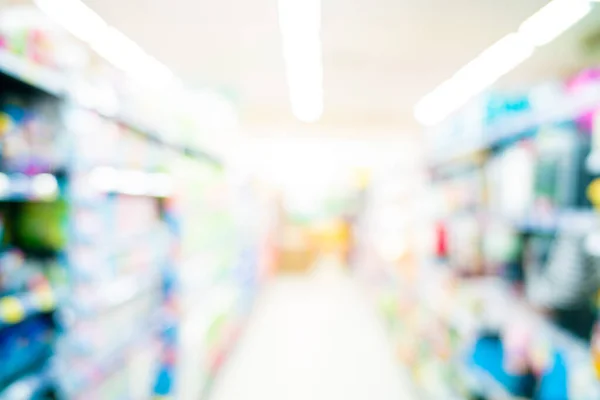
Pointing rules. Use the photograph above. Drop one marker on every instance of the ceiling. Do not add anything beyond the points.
(380, 56)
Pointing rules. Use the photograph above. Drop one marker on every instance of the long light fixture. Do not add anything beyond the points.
(472, 79)
(300, 25)
(83, 23)
(552, 20)
(499, 59)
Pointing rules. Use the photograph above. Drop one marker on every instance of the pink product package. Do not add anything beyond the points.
(579, 83)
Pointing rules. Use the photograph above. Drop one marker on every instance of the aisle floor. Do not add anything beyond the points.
(313, 338)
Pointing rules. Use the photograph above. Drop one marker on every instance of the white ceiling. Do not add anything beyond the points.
(379, 56)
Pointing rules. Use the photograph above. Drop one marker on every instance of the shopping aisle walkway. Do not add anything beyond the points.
(313, 338)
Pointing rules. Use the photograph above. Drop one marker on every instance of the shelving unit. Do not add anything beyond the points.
(52, 83)
(30, 73)
(80, 308)
(220, 275)
(491, 297)
(125, 287)
(117, 252)
(510, 128)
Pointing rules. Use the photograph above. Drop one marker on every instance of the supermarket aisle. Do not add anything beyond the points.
(313, 338)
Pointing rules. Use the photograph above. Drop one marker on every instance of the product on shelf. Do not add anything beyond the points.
(91, 234)
(25, 347)
(45, 273)
(524, 231)
(29, 135)
(510, 182)
(561, 178)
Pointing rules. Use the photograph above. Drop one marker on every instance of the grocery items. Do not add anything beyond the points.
(515, 200)
(91, 234)
(25, 348)
(561, 178)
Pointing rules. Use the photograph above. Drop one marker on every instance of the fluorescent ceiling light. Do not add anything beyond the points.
(83, 23)
(80, 20)
(126, 55)
(472, 79)
(552, 20)
(499, 59)
(300, 24)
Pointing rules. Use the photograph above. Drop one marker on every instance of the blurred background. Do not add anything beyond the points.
(297, 199)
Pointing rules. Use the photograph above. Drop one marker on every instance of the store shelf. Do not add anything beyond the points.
(21, 187)
(480, 382)
(92, 374)
(514, 307)
(15, 309)
(555, 221)
(218, 306)
(534, 224)
(517, 305)
(549, 222)
(221, 350)
(131, 182)
(117, 293)
(93, 287)
(154, 235)
(559, 338)
(153, 136)
(470, 154)
(219, 301)
(52, 82)
(565, 110)
(575, 350)
(514, 128)
(541, 135)
(37, 76)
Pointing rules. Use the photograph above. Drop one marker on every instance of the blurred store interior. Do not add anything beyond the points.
(299, 199)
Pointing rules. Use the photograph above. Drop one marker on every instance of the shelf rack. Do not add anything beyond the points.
(161, 331)
(56, 85)
(510, 129)
(49, 187)
(453, 157)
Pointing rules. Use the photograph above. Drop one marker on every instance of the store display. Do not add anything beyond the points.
(25, 348)
(521, 195)
(560, 178)
(30, 140)
(92, 238)
(220, 271)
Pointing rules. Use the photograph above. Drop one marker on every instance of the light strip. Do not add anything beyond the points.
(300, 25)
(472, 79)
(125, 54)
(83, 23)
(80, 20)
(499, 59)
(555, 18)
